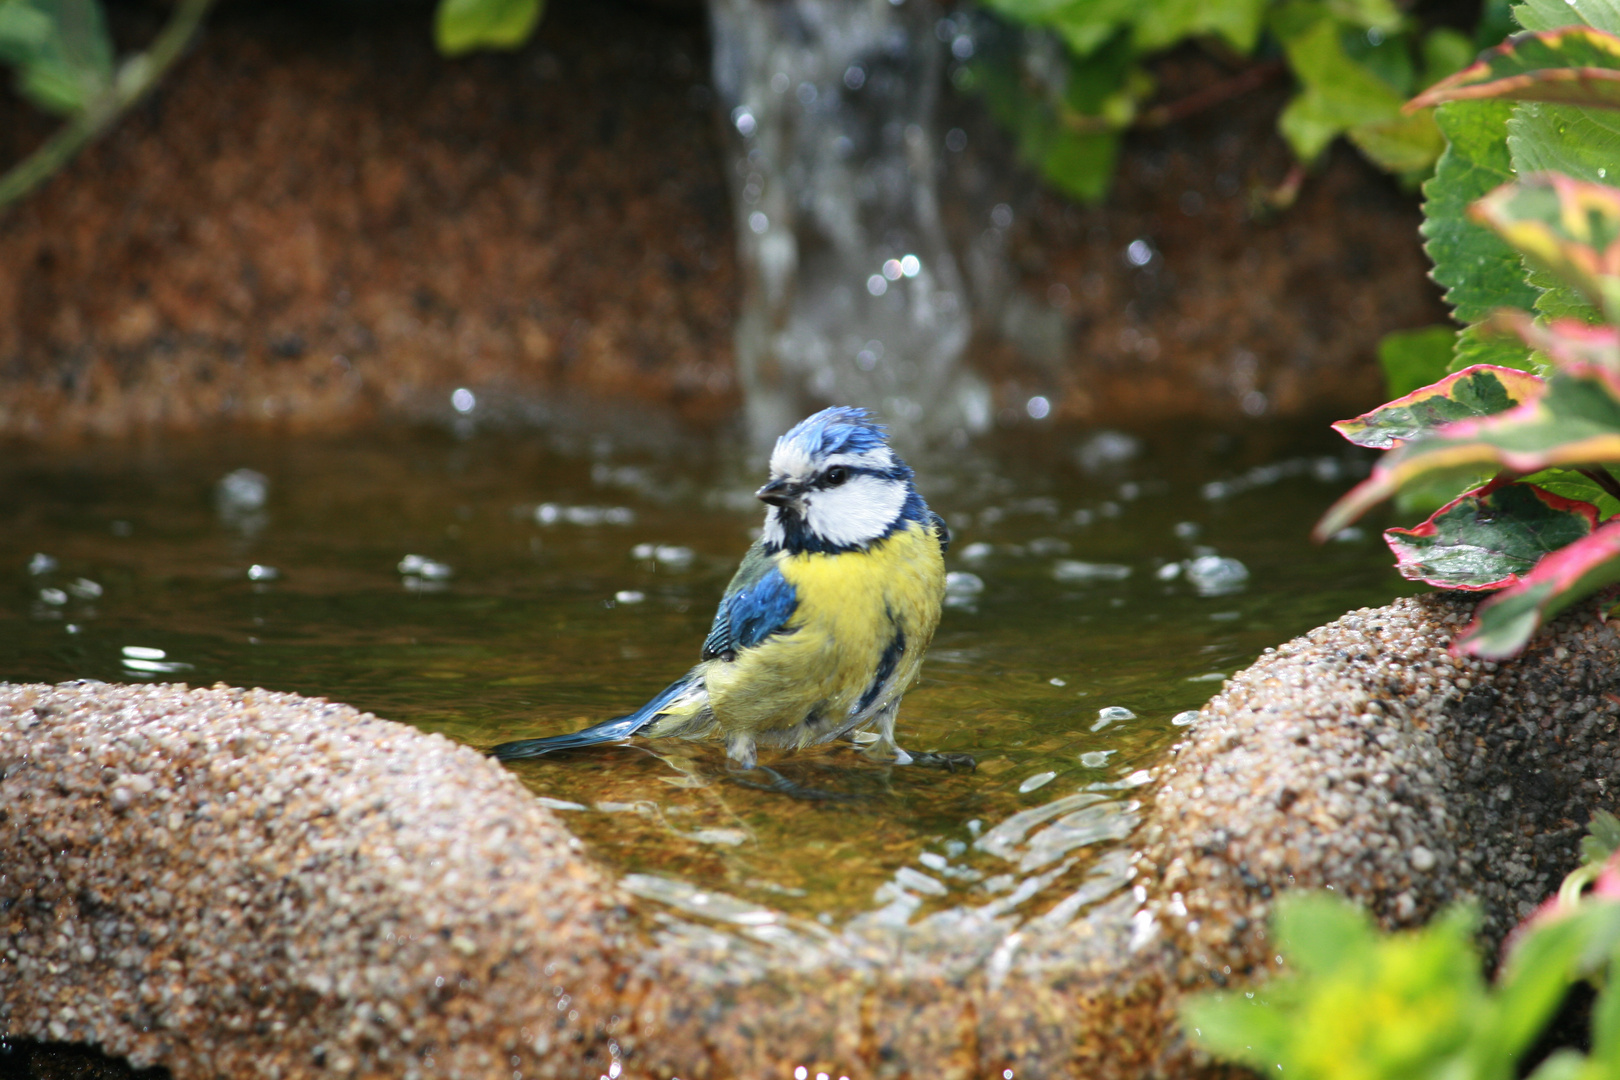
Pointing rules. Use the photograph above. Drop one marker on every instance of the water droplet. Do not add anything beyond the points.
(956, 140)
(876, 285)
(962, 47)
(806, 93)
(463, 400)
(1074, 572)
(41, 563)
(855, 77)
(54, 597)
(1002, 216)
(259, 572)
(910, 265)
(892, 270)
(84, 589)
(1182, 719)
(1038, 407)
(1212, 575)
(629, 596)
(1055, 681)
(780, 82)
(1096, 759)
(743, 121)
(1138, 253)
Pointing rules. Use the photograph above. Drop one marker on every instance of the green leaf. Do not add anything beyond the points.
(1405, 145)
(461, 26)
(1163, 23)
(61, 49)
(1477, 391)
(1479, 271)
(1563, 341)
(1478, 344)
(1320, 932)
(1575, 65)
(1574, 422)
(1490, 537)
(1413, 359)
(1503, 624)
(1551, 14)
(1601, 840)
(1580, 143)
(1338, 94)
(1571, 227)
(1445, 51)
(1574, 485)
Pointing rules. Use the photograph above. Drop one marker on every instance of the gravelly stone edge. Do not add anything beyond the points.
(1363, 757)
(254, 884)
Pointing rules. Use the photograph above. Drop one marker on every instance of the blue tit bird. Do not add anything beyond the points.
(825, 623)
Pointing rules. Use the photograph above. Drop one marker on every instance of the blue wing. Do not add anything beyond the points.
(758, 602)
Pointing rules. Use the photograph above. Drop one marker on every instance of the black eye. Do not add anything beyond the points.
(835, 476)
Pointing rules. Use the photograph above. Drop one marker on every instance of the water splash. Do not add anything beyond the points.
(851, 293)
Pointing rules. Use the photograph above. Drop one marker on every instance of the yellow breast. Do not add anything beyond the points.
(850, 607)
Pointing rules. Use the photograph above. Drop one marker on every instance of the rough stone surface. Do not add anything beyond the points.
(255, 884)
(244, 883)
(1365, 758)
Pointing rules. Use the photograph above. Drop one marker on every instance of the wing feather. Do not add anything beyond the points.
(757, 603)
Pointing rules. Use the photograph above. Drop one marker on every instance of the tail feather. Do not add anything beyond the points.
(614, 730)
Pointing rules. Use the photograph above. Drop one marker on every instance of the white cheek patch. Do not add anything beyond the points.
(774, 533)
(856, 512)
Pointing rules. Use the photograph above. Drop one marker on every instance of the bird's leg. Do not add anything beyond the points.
(885, 749)
(740, 749)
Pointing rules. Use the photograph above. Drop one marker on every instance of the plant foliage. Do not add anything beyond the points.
(1524, 231)
(1355, 63)
(1354, 1004)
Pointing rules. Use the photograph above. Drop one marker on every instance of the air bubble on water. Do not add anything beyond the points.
(423, 567)
(1055, 681)
(1213, 575)
(629, 596)
(260, 572)
(41, 564)
(1096, 759)
(1075, 572)
(963, 583)
(54, 597)
(242, 490)
(978, 551)
(1168, 572)
(1182, 719)
(84, 589)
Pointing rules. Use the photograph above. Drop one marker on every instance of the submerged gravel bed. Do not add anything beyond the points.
(246, 883)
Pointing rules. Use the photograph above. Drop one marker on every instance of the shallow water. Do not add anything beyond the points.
(560, 584)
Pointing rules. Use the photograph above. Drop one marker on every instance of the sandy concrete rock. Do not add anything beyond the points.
(243, 883)
(1365, 758)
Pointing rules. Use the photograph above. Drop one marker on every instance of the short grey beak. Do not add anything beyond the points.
(779, 492)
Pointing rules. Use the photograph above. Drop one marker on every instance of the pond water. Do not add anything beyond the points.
(495, 585)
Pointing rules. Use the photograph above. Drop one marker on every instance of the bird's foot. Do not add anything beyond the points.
(762, 778)
(948, 762)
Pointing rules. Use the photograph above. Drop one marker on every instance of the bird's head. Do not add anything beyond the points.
(835, 484)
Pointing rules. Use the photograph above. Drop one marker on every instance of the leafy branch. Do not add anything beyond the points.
(65, 64)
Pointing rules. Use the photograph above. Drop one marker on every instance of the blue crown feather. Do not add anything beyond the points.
(842, 429)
